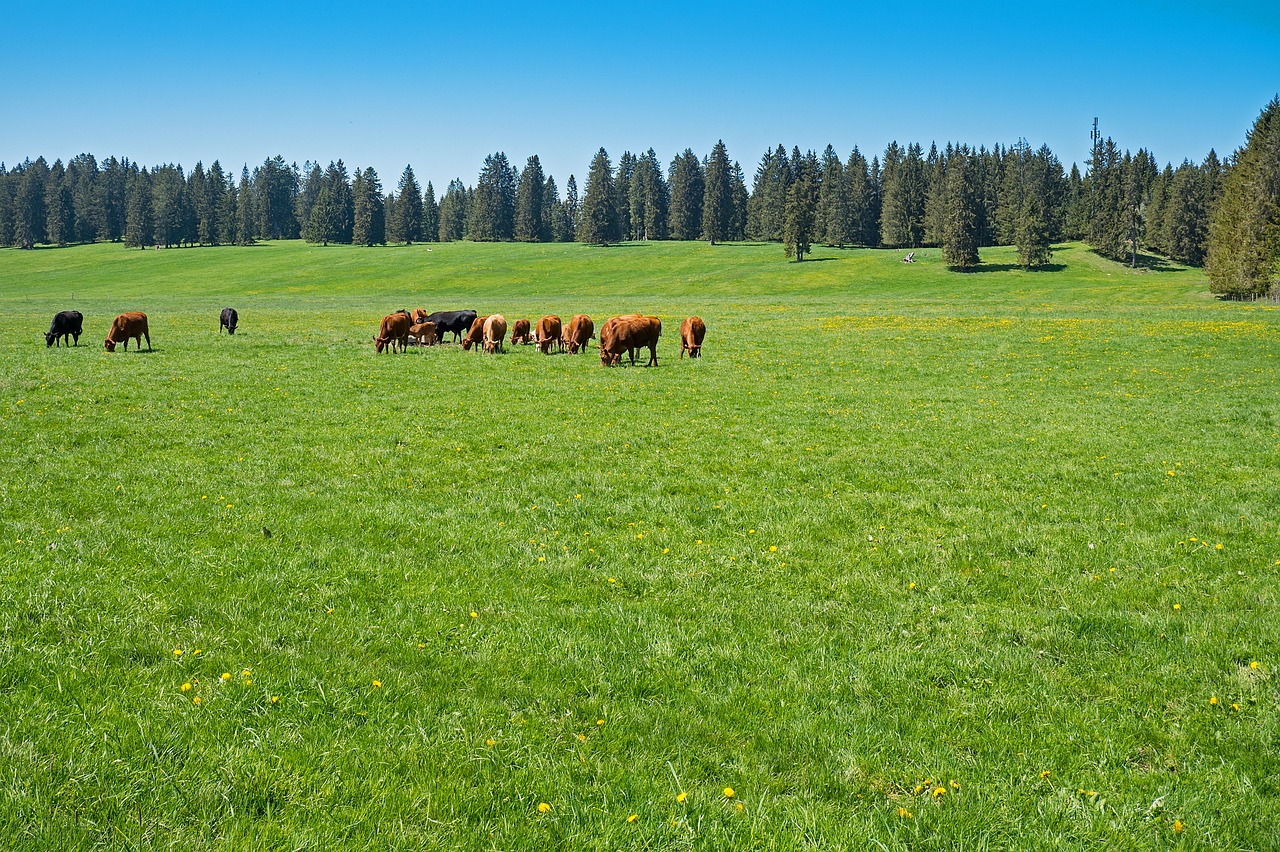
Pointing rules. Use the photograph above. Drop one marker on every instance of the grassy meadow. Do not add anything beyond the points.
(910, 559)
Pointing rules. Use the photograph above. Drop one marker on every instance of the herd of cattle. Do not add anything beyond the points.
(626, 333)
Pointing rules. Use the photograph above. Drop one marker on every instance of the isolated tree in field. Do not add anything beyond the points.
(686, 186)
(531, 226)
(408, 210)
(717, 195)
(571, 205)
(801, 215)
(1244, 234)
(598, 219)
(960, 227)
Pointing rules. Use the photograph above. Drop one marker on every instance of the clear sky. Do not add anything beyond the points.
(442, 85)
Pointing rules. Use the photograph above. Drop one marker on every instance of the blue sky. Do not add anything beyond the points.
(440, 86)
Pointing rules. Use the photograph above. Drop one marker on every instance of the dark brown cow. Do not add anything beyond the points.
(475, 337)
(692, 331)
(627, 334)
(495, 330)
(520, 332)
(548, 333)
(423, 333)
(393, 332)
(581, 329)
(125, 326)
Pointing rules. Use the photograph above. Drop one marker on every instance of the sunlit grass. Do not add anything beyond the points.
(1006, 535)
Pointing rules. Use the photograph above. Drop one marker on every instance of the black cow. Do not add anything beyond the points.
(459, 322)
(65, 324)
(228, 320)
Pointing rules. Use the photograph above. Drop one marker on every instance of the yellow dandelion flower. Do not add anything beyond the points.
(473, 614)
(186, 687)
(196, 701)
(699, 541)
(275, 699)
(248, 682)
(599, 721)
(666, 550)
(1044, 774)
(226, 675)
(543, 807)
(177, 652)
(728, 792)
(1213, 701)
(613, 579)
(681, 796)
(911, 586)
(245, 673)
(1235, 707)
(489, 742)
(639, 535)
(955, 785)
(1218, 546)
(904, 813)
(1177, 607)
(582, 738)
(739, 806)
(197, 651)
(542, 559)
(773, 548)
(939, 792)
(919, 788)
(1177, 826)
(577, 496)
(633, 818)
(377, 684)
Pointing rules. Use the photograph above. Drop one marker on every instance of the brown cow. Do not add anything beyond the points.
(520, 332)
(126, 326)
(475, 337)
(548, 333)
(627, 334)
(423, 333)
(419, 315)
(393, 332)
(495, 330)
(581, 329)
(692, 331)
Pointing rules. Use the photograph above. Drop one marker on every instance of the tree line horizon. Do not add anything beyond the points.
(1222, 215)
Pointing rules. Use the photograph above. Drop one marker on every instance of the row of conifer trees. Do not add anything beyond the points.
(957, 197)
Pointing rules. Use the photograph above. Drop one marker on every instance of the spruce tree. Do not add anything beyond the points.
(717, 195)
(453, 212)
(430, 215)
(322, 226)
(1244, 233)
(622, 179)
(139, 225)
(571, 209)
(86, 198)
(801, 214)
(408, 210)
(58, 209)
(963, 197)
(369, 226)
(1108, 219)
(686, 187)
(246, 215)
(598, 217)
(530, 225)
(1185, 221)
(491, 212)
(6, 207)
(738, 193)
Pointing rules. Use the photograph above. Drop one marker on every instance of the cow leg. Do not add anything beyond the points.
(148, 336)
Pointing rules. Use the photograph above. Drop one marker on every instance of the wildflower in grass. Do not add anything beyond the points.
(582, 738)
(1213, 701)
(1235, 707)
(1177, 826)
(728, 792)
(613, 579)
(666, 550)
(275, 699)
(197, 652)
(904, 813)
(377, 684)
(599, 722)
(919, 788)
(186, 687)
(955, 785)
(177, 652)
(542, 559)
(1044, 774)
(489, 742)
(681, 796)
(1177, 607)
(632, 818)
(773, 548)
(226, 676)
(543, 807)
(911, 586)
(196, 701)
(1254, 664)
(939, 792)
(739, 807)
(1218, 546)
(699, 541)
(473, 614)
(248, 682)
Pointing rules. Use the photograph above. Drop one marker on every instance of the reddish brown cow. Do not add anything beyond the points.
(581, 329)
(627, 334)
(125, 326)
(475, 337)
(692, 331)
(495, 329)
(548, 333)
(520, 332)
(419, 315)
(393, 332)
(423, 333)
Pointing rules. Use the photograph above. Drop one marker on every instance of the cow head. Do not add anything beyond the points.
(109, 344)
(48, 339)
(379, 343)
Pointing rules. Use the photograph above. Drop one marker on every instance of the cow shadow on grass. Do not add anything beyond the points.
(1011, 267)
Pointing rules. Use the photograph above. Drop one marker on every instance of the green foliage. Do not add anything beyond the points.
(687, 187)
(531, 225)
(962, 199)
(717, 196)
(649, 199)
(407, 225)
(801, 213)
(766, 209)
(904, 194)
(492, 206)
(1244, 236)
(598, 218)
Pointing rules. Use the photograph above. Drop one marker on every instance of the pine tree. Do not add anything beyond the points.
(687, 191)
(530, 226)
(571, 209)
(935, 207)
(308, 194)
(408, 209)
(139, 223)
(6, 207)
(1077, 206)
(28, 204)
(275, 190)
(767, 205)
(1033, 232)
(1108, 219)
(739, 196)
(963, 198)
(648, 199)
(322, 226)
(453, 212)
(430, 215)
(598, 218)
(221, 214)
(557, 219)
(246, 215)
(801, 215)
(622, 194)
(1244, 233)
(491, 214)
(369, 227)
(111, 188)
(863, 227)
(86, 198)
(59, 213)
(1185, 223)
(717, 195)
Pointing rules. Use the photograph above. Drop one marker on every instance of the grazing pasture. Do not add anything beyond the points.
(908, 559)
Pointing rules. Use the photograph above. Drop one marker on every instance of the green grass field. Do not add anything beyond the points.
(910, 559)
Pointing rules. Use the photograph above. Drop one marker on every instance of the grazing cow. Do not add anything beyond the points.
(692, 331)
(228, 320)
(475, 335)
(393, 332)
(66, 324)
(627, 334)
(458, 322)
(495, 329)
(125, 326)
(548, 333)
(423, 333)
(580, 330)
(520, 332)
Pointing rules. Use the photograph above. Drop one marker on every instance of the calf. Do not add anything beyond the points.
(125, 326)
(423, 333)
(520, 332)
(66, 324)
(495, 329)
(457, 322)
(692, 331)
(393, 332)
(548, 333)
(475, 336)
(627, 334)
(580, 330)
(419, 315)
(228, 320)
